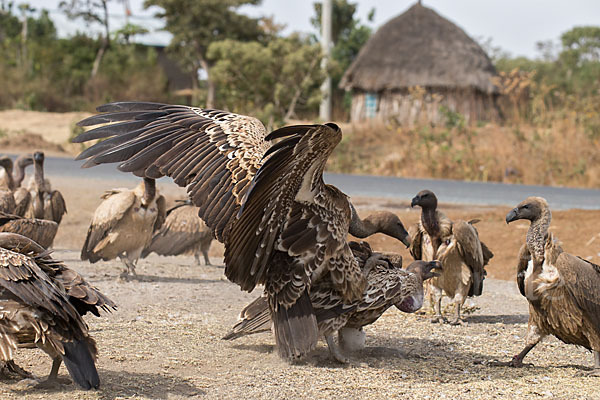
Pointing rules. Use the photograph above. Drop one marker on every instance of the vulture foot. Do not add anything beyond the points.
(335, 351)
(438, 319)
(53, 383)
(457, 321)
(516, 362)
(11, 370)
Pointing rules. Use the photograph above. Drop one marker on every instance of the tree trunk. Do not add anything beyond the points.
(105, 42)
(210, 85)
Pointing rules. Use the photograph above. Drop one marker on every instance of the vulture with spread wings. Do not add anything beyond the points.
(282, 226)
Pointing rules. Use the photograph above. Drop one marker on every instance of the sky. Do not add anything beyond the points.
(513, 25)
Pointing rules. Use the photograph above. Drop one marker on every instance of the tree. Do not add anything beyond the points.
(195, 24)
(91, 11)
(269, 80)
(348, 35)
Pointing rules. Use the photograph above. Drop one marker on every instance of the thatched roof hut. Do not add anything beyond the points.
(417, 63)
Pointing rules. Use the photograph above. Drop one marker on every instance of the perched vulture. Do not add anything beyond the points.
(41, 305)
(183, 232)
(457, 247)
(123, 223)
(388, 285)
(45, 203)
(563, 290)
(281, 225)
(21, 194)
(40, 231)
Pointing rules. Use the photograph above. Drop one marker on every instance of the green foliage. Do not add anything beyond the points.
(272, 81)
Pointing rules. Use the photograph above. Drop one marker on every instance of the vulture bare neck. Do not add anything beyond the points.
(431, 224)
(149, 191)
(536, 236)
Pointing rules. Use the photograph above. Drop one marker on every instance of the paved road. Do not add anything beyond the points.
(401, 188)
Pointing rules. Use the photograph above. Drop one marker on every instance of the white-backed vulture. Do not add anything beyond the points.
(21, 194)
(40, 231)
(183, 232)
(281, 225)
(563, 291)
(123, 223)
(45, 203)
(7, 198)
(41, 305)
(388, 285)
(457, 247)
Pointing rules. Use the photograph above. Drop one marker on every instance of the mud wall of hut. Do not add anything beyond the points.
(417, 105)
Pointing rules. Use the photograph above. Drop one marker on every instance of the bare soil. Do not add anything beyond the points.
(164, 340)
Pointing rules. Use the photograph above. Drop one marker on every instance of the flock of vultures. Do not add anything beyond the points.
(263, 196)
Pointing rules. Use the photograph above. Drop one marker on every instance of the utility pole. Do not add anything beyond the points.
(325, 108)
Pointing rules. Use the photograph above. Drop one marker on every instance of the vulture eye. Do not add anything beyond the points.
(526, 206)
(447, 242)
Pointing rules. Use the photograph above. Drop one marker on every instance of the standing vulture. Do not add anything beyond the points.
(281, 225)
(388, 285)
(21, 194)
(183, 232)
(7, 198)
(563, 290)
(41, 305)
(40, 231)
(123, 223)
(45, 203)
(457, 247)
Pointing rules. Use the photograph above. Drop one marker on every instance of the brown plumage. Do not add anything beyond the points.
(123, 224)
(563, 290)
(183, 232)
(41, 305)
(282, 226)
(40, 231)
(456, 246)
(46, 203)
(7, 198)
(21, 194)
(388, 285)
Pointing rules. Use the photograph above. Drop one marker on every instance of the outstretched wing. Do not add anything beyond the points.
(214, 153)
(469, 247)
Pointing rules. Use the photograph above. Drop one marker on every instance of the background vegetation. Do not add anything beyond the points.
(550, 132)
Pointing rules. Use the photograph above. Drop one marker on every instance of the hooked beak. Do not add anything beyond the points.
(415, 201)
(436, 268)
(406, 240)
(512, 215)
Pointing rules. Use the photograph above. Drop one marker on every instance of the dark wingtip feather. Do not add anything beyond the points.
(80, 363)
(289, 130)
(129, 106)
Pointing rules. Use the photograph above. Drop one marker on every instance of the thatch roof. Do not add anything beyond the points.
(420, 48)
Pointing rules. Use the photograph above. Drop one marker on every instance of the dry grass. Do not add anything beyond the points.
(563, 154)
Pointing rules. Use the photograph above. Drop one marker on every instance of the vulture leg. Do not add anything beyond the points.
(436, 298)
(533, 337)
(52, 381)
(129, 268)
(596, 370)
(335, 351)
(459, 299)
(10, 368)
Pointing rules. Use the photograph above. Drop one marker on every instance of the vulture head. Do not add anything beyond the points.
(38, 157)
(425, 199)
(6, 163)
(24, 161)
(531, 209)
(425, 269)
(391, 225)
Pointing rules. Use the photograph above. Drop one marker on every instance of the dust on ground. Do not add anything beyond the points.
(164, 340)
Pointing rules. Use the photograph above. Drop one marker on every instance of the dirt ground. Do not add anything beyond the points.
(164, 340)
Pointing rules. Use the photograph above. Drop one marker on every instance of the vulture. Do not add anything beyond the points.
(123, 223)
(45, 203)
(41, 305)
(388, 285)
(262, 195)
(457, 247)
(40, 231)
(183, 232)
(563, 291)
(7, 198)
(11, 182)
